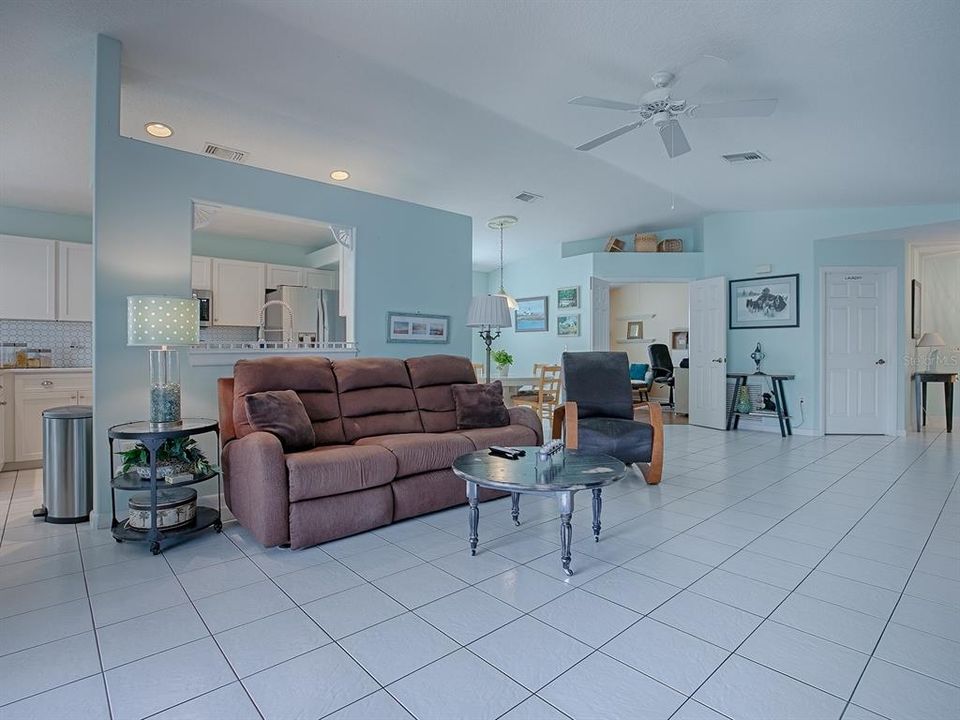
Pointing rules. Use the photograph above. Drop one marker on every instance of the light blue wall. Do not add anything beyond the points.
(47, 225)
(802, 241)
(252, 249)
(631, 267)
(409, 258)
(543, 277)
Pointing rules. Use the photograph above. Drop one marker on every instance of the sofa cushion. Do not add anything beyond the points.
(310, 377)
(509, 435)
(280, 413)
(326, 471)
(480, 406)
(421, 452)
(627, 440)
(432, 377)
(376, 398)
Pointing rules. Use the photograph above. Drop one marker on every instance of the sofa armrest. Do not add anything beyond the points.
(521, 415)
(256, 486)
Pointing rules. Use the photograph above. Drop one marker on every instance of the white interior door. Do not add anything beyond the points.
(857, 366)
(600, 304)
(708, 352)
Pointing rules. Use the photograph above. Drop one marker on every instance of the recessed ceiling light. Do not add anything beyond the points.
(339, 175)
(158, 129)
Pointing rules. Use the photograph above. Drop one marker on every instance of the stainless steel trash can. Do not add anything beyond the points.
(67, 464)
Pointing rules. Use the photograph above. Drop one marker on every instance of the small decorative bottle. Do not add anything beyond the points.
(744, 405)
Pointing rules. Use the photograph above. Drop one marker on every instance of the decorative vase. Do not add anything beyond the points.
(744, 405)
(504, 370)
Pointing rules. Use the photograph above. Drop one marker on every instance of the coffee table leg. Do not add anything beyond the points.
(565, 499)
(515, 508)
(474, 514)
(597, 506)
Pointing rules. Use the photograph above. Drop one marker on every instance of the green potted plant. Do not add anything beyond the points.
(503, 361)
(174, 456)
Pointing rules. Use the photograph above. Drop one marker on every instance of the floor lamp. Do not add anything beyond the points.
(489, 313)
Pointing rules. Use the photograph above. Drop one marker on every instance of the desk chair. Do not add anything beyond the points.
(662, 363)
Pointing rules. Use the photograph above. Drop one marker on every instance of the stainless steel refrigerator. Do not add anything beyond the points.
(315, 315)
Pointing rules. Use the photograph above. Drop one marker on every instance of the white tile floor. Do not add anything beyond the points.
(765, 578)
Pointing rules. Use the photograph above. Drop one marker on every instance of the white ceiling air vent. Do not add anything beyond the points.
(528, 197)
(225, 153)
(746, 157)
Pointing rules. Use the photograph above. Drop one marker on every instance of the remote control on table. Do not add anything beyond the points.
(510, 453)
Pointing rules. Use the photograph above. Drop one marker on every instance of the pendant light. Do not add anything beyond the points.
(499, 223)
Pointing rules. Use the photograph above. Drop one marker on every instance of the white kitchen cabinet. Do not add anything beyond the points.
(34, 393)
(238, 289)
(201, 272)
(322, 279)
(85, 397)
(74, 281)
(3, 421)
(28, 278)
(278, 275)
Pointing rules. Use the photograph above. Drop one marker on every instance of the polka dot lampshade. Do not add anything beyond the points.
(162, 320)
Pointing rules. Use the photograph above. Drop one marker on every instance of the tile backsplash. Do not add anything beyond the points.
(224, 334)
(71, 342)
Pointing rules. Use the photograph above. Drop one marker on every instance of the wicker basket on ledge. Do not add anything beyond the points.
(670, 245)
(645, 242)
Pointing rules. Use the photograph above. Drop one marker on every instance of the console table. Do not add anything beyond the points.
(779, 398)
(920, 381)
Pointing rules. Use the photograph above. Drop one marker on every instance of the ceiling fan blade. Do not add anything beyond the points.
(596, 102)
(609, 136)
(734, 109)
(693, 77)
(673, 139)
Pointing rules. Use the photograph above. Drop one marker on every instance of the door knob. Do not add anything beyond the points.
(881, 361)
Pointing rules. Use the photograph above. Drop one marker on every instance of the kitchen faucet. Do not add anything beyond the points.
(261, 330)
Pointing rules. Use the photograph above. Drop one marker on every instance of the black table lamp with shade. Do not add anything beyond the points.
(158, 322)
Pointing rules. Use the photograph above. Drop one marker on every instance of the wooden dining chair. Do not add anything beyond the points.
(544, 401)
(479, 371)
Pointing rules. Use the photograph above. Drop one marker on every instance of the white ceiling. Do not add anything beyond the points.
(242, 223)
(461, 105)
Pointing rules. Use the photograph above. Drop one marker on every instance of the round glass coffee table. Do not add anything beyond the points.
(563, 475)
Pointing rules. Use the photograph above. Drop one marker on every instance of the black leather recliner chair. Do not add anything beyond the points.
(600, 406)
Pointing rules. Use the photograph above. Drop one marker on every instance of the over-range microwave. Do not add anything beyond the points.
(206, 306)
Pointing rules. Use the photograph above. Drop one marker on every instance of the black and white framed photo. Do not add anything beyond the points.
(765, 302)
(531, 315)
(417, 328)
(568, 298)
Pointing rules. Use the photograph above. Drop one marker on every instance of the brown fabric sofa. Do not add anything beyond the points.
(386, 436)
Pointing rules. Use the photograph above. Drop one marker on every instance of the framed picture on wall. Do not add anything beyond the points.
(915, 297)
(568, 298)
(568, 325)
(417, 328)
(679, 338)
(531, 315)
(635, 330)
(765, 302)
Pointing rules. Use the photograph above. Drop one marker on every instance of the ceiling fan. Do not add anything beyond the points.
(667, 102)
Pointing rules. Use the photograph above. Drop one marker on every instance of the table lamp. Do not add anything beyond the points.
(931, 340)
(489, 312)
(158, 321)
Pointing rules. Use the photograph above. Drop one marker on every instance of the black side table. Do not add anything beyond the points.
(152, 438)
(779, 399)
(920, 381)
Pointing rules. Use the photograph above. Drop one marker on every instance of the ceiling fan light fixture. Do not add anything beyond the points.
(158, 130)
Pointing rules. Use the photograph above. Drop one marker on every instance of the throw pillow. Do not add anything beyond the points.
(480, 406)
(281, 413)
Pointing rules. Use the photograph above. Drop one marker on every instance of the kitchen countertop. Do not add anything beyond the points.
(45, 371)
